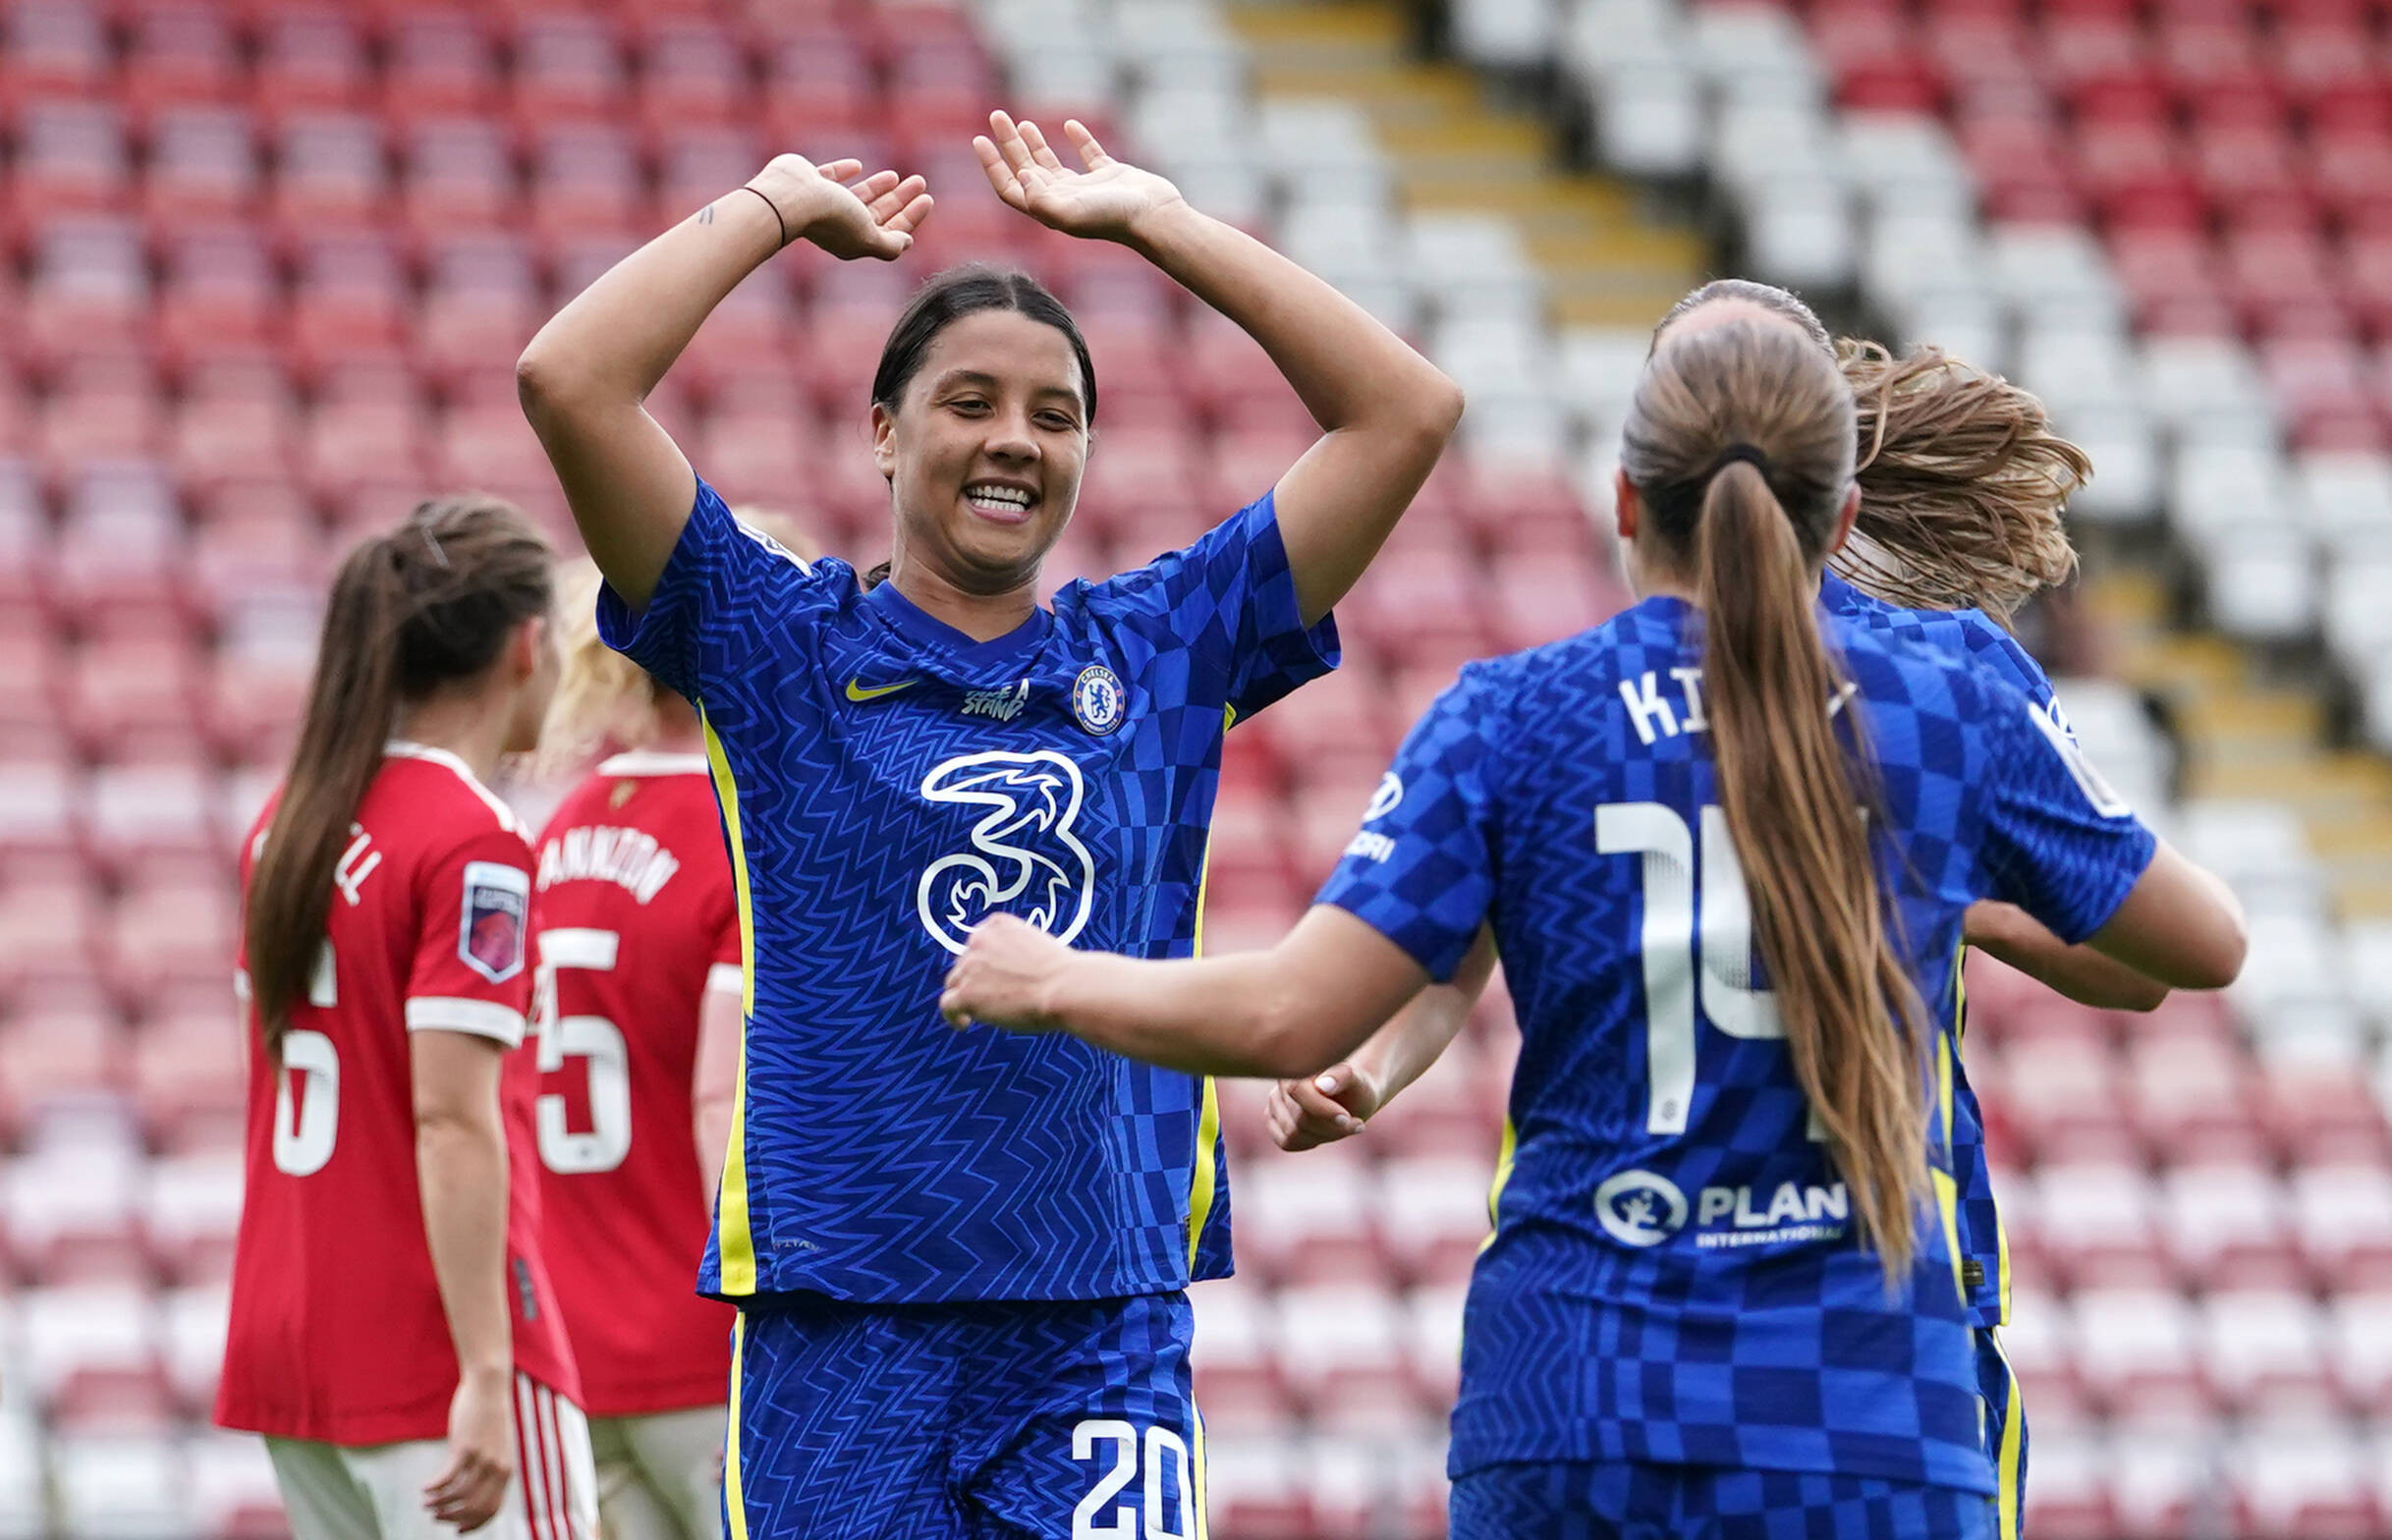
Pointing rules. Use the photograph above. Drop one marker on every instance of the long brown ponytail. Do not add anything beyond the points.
(1963, 479)
(432, 602)
(1740, 443)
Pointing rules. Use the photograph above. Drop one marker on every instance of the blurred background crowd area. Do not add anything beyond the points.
(267, 263)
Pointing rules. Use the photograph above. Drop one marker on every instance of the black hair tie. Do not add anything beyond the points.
(1748, 453)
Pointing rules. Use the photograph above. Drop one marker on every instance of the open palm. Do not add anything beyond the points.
(1103, 201)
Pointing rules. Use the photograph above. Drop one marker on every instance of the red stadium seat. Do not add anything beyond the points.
(47, 1056)
(1433, 1210)
(2194, 1102)
(460, 175)
(585, 180)
(215, 441)
(2136, 1351)
(1341, 1347)
(2095, 1222)
(2345, 1217)
(180, 54)
(309, 56)
(1148, 475)
(1234, 1361)
(2263, 1351)
(330, 172)
(2062, 1098)
(692, 71)
(181, 925)
(90, 295)
(191, 1076)
(438, 63)
(2324, 1117)
(71, 158)
(203, 165)
(565, 66)
(2225, 1227)
(58, 48)
(351, 303)
(1419, 606)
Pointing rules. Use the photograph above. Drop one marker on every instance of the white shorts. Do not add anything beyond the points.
(660, 1476)
(335, 1492)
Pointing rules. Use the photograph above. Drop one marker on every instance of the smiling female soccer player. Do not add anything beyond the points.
(1713, 1303)
(960, 1262)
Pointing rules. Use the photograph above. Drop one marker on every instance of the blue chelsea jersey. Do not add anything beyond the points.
(886, 783)
(1673, 1276)
(1973, 636)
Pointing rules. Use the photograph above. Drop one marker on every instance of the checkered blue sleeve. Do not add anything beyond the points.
(722, 589)
(1230, 599)
(2001, 655)
(2058, 842)
(1421, 873)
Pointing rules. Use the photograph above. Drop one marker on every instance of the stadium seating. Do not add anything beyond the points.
(274, 261)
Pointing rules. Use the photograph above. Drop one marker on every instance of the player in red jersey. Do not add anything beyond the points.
(637, 954)
(394, 1335)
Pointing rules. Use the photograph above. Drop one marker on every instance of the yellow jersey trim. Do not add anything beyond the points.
(735, 1500)
(1202, 1531)
(735, 1242)
(1504, 1152)
(1204, 1174)
(2008, 1467)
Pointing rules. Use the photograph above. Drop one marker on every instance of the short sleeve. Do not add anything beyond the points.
(2059, 842)
(468, 975)
(1230, 600)
(1421, 873)
(723, 587)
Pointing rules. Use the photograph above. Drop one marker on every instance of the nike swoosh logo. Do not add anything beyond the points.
(859, 692)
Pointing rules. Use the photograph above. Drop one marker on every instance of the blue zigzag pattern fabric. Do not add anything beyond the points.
(888, 782)
(1674, 1277)
(980, 1421)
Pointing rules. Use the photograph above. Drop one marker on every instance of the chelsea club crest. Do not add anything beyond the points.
(1097, 700)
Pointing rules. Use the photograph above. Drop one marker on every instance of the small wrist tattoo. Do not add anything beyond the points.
(776, 212)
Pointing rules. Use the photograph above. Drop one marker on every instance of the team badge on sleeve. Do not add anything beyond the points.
(1097, 700)
(497, 905)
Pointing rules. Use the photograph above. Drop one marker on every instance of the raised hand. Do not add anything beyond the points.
(1004, 978)
(1105, 201)
(875, 217)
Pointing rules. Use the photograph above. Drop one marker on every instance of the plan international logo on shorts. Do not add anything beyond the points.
(1642, 1208)
(490, 931)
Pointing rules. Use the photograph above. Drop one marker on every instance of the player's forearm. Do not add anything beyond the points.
(460, 1168)
(2012, 935)
(1402, 1051)
(616, 339)
(1350, 371)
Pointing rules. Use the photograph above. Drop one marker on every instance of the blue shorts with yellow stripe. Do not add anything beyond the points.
(1627, 1500)
(2005, 1431)
(983, 1420)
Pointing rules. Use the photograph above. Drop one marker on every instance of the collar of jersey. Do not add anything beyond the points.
(406, 748)
(946, 645)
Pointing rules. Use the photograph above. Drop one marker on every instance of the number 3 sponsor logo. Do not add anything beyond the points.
(1168, 1491)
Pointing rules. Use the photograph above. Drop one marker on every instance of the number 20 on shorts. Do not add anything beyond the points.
(1168, 1489)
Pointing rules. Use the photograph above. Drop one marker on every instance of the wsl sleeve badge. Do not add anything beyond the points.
(1098, 700)
(497, 907)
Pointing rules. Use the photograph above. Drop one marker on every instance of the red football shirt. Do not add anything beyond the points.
(337, 1329)
(637, 920)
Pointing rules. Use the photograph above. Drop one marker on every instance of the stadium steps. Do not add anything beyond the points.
(1603, 260)
(2248, 733)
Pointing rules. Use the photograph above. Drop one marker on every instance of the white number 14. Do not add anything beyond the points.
(1674, 935)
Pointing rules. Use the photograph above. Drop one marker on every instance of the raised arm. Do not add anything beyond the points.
(1335, 1104)
(585, 375)
(1385, 410)
(1294, 1010)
